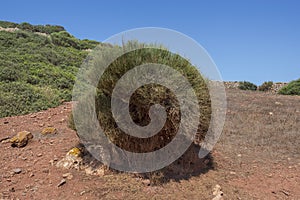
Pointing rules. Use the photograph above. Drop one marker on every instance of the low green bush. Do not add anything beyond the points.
(245, 85)
(293, 88)
(21, 98)
(6, 24)
(266, 86)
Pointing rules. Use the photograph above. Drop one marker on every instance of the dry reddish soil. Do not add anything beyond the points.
(257, 157)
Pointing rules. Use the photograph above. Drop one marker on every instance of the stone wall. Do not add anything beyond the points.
(235, 85)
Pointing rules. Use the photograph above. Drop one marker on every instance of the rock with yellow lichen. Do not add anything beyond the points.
(78, 158)
(21, 139)
(73, 159)
(75, 152)
(49, 130)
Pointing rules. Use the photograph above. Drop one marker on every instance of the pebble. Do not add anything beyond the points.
(62, 182)
(146, 182)
(17, 171)
(67, 176)
(270, 175)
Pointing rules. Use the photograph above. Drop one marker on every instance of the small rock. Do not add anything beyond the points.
(6, 122)
(89, 171)
(72, 159)
(270, 175)
(49, 130)
(5, 139)
(278, 103)
(24, 158)
(51, 162)
(82, 193)
(217, 192)
(271, 113)
(39, 155)
(146, 182)
(233, 173)
(21, 139)
(62, 182)
(12, 189)
(41, 125)
(239, 155)
(67, 176)
(17, 171)
(45, 170)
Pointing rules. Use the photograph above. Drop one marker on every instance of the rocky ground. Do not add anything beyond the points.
(257, 157)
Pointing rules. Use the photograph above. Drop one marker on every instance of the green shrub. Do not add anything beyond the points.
(64, 39)
(21, 98)
(48, 29)
(26, 26)
(148, 95)
(245, 85)
(5, 24)
(293, 88)
(266, 86)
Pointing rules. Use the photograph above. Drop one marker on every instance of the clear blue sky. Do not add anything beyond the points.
(257, 40)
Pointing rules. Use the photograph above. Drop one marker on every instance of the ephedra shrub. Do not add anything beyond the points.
(146, 96)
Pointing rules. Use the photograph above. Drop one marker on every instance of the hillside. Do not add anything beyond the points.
(38, 66)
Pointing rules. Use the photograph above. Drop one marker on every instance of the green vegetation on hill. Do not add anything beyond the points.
(245, 85)
(293, 88)
(37, 70)
(266, 86)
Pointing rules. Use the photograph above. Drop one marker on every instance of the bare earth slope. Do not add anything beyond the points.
(257, 157)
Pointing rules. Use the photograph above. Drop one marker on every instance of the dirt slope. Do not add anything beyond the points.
(257, 157)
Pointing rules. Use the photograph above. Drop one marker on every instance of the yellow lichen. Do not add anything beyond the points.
(49, 130)
(75, 151)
